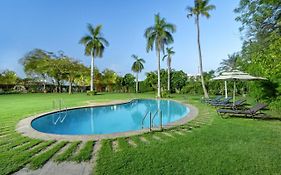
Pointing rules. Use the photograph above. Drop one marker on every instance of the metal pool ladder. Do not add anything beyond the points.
(62, 112)
(151, 119)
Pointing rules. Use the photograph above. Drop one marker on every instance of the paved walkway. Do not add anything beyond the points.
(64, 168)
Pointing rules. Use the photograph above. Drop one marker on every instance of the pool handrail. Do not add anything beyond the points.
(142, 122)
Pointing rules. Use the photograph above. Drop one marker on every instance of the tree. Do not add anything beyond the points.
(128, 80)
(158, 36)
(8, 77)
(36, 65)
(168, 56)
(137, 67)
(109, 79)
(229, 64)
(179, 79)
(84, 77)
(94, 46)
(261, 54)
(201, 7)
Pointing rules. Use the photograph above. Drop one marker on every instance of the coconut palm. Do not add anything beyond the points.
(137, 67)
(201, 7)
(229, 64)
(158, 36)
(168, 56)
(94, 43)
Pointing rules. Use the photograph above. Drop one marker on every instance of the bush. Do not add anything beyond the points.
(91, 93)
(165, 94)
(275, 105)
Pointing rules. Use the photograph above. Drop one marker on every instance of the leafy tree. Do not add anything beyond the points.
(151, 79)
(179, 79)
(158, 36)
(83, 79)
(109, 79)
(201, 7)
(128, 81)
(8, 77)
(94, 44)
(36, 64)
(168, 56)
(261, 54)
(137, 67)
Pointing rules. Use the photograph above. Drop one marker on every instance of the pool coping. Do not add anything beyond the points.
(24, 126)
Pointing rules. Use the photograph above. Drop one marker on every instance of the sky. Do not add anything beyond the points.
(58, 25)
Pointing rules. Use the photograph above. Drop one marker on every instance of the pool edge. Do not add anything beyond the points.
(24, 126)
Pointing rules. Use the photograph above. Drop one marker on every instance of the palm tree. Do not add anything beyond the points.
(137, 67)
(201, 7)
(94, 44)
(158, 36)
(169, 54)
(229, 64)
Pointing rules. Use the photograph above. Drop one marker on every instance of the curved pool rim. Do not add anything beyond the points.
(24, 126)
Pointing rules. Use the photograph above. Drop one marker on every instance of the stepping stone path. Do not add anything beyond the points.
(67, 167)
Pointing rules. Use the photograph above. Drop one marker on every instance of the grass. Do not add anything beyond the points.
(18, 106)
(68, 153)
(41, 159)
(226, 146)
(85, 154)
(218, 146)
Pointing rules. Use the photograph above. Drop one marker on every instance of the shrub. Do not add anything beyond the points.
(91, 93)
(165, 94)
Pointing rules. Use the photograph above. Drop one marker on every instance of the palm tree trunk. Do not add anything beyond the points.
(137, 83)
(200, 58)
(169, 72)
(158, 84)
(70, 86)
(92, 73)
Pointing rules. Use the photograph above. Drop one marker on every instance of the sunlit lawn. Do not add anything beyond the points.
(218, 146)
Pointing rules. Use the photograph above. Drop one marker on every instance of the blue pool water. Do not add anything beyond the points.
(109, 119)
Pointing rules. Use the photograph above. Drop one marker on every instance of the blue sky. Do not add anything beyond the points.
(55, 25)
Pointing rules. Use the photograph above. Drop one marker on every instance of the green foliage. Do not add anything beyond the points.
(275, 106)
(8, 77)
(91, 93)
(178, 80)
(43, 66)
(159, 35)
(137, 66)
(94, 42)
(261, 52)
(200, 8)
(165, 94)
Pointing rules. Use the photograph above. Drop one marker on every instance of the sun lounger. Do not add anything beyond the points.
(224, 101)
(247, 112)
(236, 104)
(208, 100)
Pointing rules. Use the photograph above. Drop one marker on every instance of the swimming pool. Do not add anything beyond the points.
(110, 119)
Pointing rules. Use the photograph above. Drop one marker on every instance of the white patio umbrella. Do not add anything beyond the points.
(234, 76)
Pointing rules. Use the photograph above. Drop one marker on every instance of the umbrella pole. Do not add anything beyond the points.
(225, 89)
(234, 89)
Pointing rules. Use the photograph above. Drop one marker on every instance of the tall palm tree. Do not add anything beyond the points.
(137, 67)
(94, 43)
(201, 7)
(169, 54)
(158, 36)
(229, 64)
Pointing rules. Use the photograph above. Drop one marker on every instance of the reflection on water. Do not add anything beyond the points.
(110, 119)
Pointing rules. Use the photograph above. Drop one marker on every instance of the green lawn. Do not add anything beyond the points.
(207, 145)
